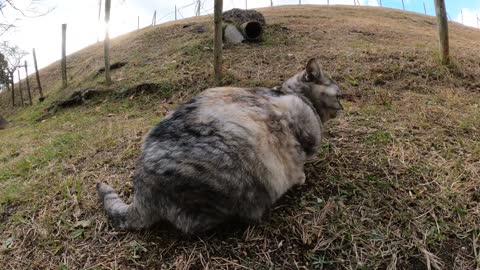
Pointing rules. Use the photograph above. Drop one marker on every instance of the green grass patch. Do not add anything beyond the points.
(58, 148)
(379, 137)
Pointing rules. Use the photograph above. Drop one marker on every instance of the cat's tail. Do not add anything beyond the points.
(120, 214)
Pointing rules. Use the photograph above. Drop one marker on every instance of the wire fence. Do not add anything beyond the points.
(205, 7)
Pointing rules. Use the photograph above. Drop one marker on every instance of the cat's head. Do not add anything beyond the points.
(319, 88)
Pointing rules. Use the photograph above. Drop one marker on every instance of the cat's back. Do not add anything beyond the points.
(249, 107)
(248, 113)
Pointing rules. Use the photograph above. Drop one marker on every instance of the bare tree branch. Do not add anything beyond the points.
(13, 55)
(15, 13)
(29, 11)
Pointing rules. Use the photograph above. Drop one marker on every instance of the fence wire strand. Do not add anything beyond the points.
(205, 11)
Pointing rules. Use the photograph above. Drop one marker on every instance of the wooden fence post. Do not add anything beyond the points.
(12, 87)
(106, 43)
(37, 75)
(424, 8)
(175, 12)
(99, 16)
(28, 84)
(154, 19)
(9, 88)
(217, 48)
(271, 3)
(64, 55)
(20, 87)
(442, 23)
(197, 8)
(138, 22)
(461, 13)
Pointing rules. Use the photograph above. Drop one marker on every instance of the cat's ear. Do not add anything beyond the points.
(313, 71)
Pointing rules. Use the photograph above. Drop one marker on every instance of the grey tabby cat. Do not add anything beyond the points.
(229, 153)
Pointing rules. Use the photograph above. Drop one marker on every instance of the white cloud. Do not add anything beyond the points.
(469, 17)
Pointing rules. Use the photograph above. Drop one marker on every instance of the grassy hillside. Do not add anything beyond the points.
(396, 185)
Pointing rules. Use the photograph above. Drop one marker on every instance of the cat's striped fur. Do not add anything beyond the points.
(228, 153)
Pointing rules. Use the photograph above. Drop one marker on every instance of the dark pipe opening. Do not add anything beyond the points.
(252, 30)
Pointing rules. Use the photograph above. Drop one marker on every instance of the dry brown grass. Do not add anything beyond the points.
(395, 186)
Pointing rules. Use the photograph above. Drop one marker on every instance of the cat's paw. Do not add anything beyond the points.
(302, 179)
(103, 189)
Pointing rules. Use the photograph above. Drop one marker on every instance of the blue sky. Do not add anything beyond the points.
(83, 28)
(453, 6)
